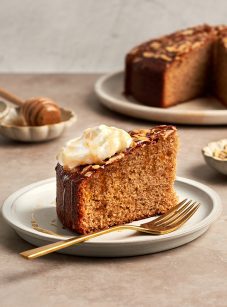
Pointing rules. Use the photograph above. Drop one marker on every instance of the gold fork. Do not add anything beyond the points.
(166, 223)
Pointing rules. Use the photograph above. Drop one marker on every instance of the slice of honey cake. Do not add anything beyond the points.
(110, 177)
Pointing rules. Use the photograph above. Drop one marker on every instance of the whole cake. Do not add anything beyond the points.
(179, 67)
(110, 177)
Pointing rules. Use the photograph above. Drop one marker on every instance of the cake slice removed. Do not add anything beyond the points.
(133, 184)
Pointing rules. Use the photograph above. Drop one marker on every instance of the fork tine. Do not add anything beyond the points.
(169, 217)
(178, 214)
(168, 213)
(183, 219)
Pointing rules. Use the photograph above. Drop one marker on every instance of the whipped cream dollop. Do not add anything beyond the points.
(94, 146)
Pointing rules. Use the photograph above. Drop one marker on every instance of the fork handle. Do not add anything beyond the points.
(53, 247)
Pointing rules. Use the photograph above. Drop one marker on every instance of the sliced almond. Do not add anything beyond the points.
(88, 174)
(95, 166)
(115, 158)
(85, 169)
(187, 32)
(171, 49)
(148, 54)
(183, 48)
(167, 133)
(140, 132)
(143, 138)
(195, 45)
(165, 57)
(155, 45)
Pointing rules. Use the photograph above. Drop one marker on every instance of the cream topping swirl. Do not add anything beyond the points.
(94, 146)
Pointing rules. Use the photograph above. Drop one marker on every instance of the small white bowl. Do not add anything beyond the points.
(12, 126)
(4, 109)
(216, 163)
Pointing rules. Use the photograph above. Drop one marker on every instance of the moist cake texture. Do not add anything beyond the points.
(178, 67)
(133, 184)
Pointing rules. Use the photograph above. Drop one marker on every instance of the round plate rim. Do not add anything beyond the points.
(112, 101)
(204, 223)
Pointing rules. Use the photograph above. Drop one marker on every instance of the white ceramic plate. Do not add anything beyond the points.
(201, 111)
(36, 202)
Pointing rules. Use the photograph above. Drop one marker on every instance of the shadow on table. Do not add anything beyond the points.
(94, 104)
(29, 269)
(206, 174)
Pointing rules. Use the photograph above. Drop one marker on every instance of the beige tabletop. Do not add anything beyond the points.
(191, 275)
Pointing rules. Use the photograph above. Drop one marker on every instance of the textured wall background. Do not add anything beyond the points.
(90, 35)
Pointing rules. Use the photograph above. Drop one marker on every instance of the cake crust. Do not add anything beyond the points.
(88, 184)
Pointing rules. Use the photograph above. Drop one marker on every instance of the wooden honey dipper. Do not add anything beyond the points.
(37, 111)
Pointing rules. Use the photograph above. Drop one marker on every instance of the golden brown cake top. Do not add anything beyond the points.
(140, 138)
(172, 47)
(149, 135)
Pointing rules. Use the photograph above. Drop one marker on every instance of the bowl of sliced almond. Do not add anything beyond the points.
(215, 155)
